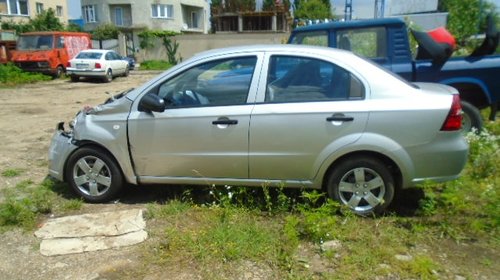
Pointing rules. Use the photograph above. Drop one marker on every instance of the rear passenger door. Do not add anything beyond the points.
(310, 108)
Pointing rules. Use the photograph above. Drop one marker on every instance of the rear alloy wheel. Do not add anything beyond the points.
(365, 185)
(109, 76)
(93, 174)
(471, 118)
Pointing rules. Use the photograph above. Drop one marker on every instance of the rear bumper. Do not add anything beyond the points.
(86, 73)
(441, 160)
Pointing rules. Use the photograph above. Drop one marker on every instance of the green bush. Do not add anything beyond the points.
(11, 75)
(155, 65)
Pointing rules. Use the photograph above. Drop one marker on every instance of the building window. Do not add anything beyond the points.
(194, 19)
(89, 13)
(14, 7)
(118, 16)
(162, 11)
(59, 11)
(39, 8)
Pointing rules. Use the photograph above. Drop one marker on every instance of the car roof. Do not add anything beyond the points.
(96, 50)
(273, 48)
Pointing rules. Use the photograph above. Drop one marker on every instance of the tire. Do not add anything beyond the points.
(127, 72)
(349, 183)
(471, 117)
(109, 76)
(59, 72)
(94, 175)
(75, 79)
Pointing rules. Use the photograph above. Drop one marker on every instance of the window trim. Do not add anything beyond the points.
(88, 10)
(59, 11)
(166, 9)
(18, 8)
(39, 8)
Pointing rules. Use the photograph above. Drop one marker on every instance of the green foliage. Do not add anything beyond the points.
(313, 9)
(105, 32)
(466, 17)
(45, 21)
(11, 75)
(13, 172)
(148, 37)
(155, 65)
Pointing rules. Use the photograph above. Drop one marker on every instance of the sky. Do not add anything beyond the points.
(75, 10)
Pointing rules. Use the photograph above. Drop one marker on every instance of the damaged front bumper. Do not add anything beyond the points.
(60, 149)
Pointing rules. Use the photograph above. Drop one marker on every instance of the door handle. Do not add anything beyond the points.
(339, 118)
(226, 122)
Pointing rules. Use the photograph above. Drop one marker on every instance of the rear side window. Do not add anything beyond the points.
(316, 38)
(366, 42)
(300, 79)
(216, 83)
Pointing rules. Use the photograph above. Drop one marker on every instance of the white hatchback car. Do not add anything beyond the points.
(104, 64)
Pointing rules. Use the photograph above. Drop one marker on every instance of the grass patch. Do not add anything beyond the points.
(12, 172)
(24, 204)
(11, 75)
(155, 65)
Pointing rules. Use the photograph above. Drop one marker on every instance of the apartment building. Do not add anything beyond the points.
(22, 10)
(133, 16)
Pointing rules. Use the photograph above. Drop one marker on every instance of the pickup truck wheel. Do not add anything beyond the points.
(94, 175)
(363, 184)
(109, 76)
(471, 118)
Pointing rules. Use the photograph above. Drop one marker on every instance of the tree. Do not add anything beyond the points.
(46, 21)
(466, 17)
(313, 9)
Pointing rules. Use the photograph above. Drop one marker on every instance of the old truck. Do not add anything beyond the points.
(48, 52)
(386, 41)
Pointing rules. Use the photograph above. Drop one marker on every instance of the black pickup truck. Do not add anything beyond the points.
(386, 41)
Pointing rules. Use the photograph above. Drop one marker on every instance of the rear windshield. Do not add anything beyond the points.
(89, 55)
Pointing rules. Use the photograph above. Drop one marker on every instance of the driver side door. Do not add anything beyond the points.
(204, 130)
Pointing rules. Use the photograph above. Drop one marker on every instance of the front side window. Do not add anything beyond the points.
(301, 79)
(215, 83)
(366, 42)
(89, 13)
(316, 38)
(162, 11)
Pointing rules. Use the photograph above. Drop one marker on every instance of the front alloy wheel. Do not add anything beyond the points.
(93, 174)
(365, 185)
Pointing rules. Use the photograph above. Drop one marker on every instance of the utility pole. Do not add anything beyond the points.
(348, 10)
(379, 8)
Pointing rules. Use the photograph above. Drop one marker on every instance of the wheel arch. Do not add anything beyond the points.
(391, 164)
(471, 90)
(94, 145)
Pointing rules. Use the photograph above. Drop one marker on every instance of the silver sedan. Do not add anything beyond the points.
(300, 116)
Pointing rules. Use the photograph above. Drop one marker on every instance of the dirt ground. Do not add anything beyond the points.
(28, 117)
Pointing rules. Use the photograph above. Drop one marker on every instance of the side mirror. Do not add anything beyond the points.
(151, 103)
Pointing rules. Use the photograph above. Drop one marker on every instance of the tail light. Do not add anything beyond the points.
(454, 119)
(68, 64)
(97, 65)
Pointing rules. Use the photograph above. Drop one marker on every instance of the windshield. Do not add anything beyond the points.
(35, 42)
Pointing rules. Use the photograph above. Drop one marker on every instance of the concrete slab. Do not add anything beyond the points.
(92, 232)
